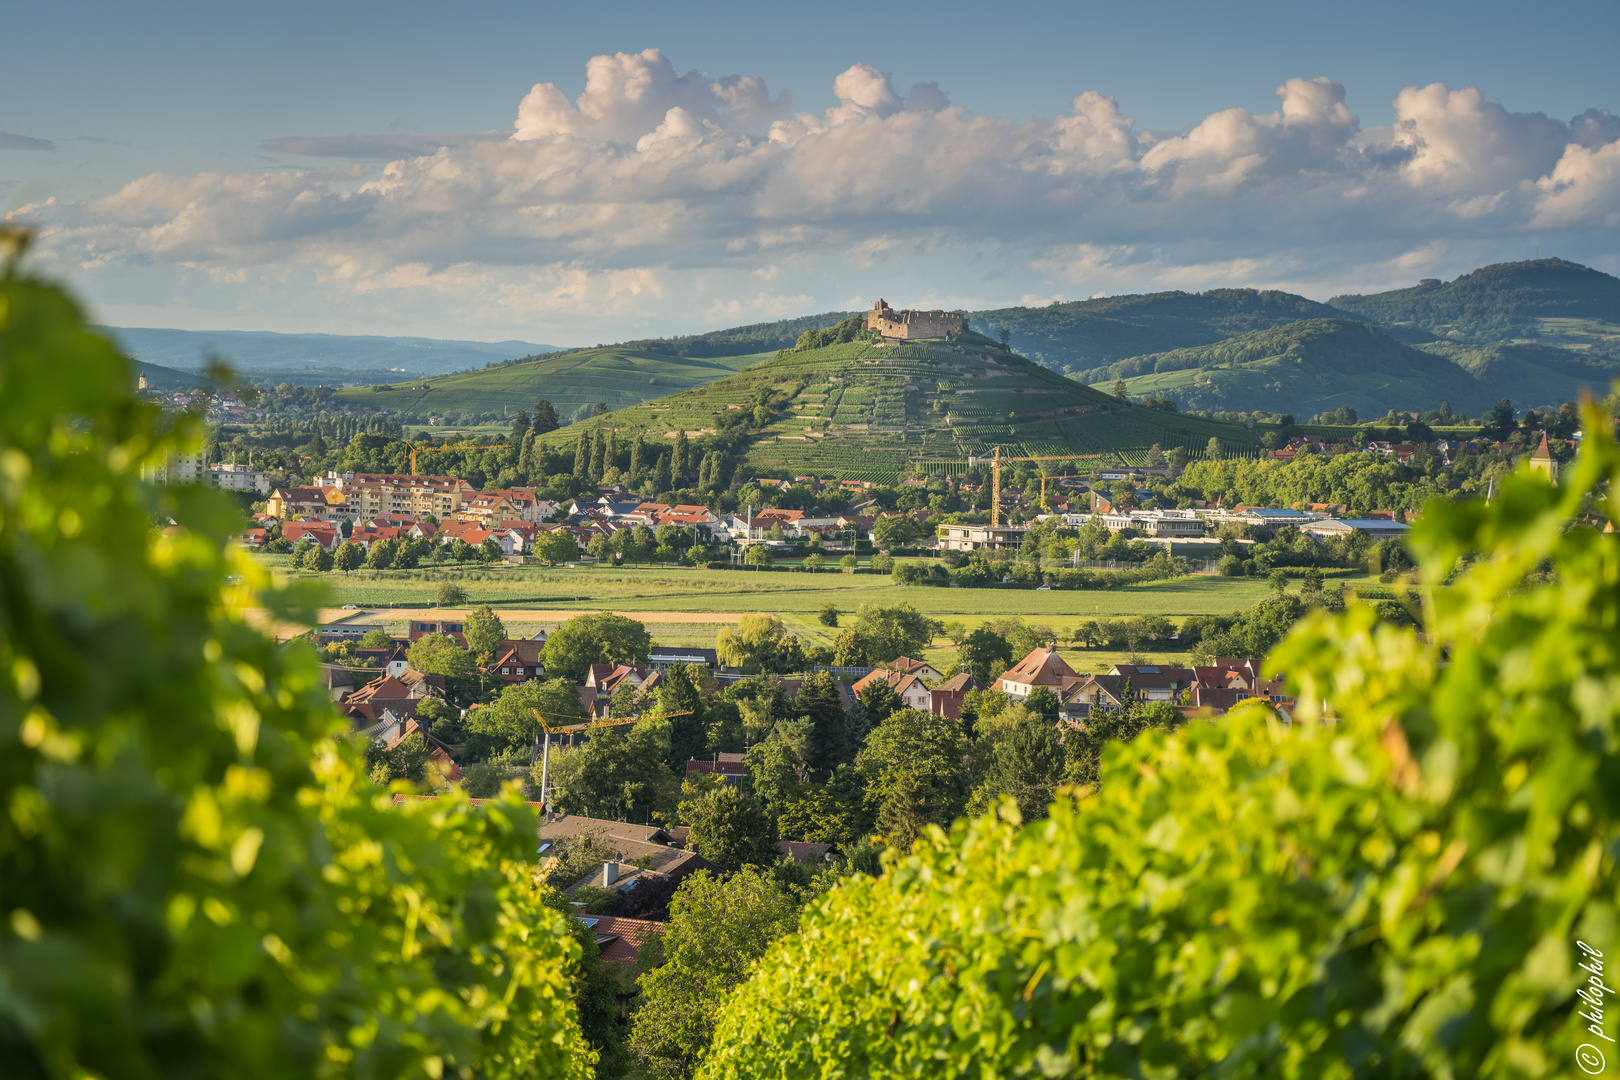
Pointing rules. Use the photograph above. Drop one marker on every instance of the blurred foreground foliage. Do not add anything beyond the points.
(196, 877)
(1395, 890)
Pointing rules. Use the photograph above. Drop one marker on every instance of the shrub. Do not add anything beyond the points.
(1407, 891)
(191, 850)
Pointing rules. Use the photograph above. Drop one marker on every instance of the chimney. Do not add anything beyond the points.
(610, 874)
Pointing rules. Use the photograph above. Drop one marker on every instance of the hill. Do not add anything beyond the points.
(573, 382)
(1085, 335)
(1530, 374)
(164, 378)
(1502, 302)
(1303, 368)
(861, 411)
(308, 358)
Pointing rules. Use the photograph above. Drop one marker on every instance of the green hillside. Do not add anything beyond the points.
(1502, 302)
(573, 382)
(1531, 374)
(863, 411)
(1085, 335)
(1304, 368)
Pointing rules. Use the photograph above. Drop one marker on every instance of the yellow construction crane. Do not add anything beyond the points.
(577, 726)
(447, 446)
(994, 461)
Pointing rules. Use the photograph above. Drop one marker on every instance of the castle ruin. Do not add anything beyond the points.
(912, 324)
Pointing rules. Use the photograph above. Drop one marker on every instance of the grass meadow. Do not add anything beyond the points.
(522, 593)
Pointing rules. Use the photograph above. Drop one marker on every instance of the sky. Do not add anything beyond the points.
(573, 174)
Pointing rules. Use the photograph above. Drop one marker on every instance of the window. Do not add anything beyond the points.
(506, 671)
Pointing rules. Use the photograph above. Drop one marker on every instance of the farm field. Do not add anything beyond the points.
(689, 606)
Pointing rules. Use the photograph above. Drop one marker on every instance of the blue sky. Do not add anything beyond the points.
(165, 136)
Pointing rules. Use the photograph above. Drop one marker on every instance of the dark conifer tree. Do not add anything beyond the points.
(545, 417)
(582, 457)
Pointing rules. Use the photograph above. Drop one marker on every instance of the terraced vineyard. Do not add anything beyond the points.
(869, 412)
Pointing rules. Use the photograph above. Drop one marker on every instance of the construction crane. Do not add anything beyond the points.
(994, 461)
(458, 446)
(577, 726)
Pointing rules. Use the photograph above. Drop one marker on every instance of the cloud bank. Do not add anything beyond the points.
(657, 198)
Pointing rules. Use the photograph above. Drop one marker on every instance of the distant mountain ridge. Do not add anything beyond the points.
(257, 353)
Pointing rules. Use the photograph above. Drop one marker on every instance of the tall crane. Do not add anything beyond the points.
(411, 446)
(577, 726)
(994, 461)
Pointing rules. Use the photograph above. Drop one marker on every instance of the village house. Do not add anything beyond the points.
(1042, 667)
(908, 688)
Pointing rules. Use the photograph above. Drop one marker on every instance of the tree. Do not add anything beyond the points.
(461, 551)
(985, 654)
(758, 555)
(828, 615)
(661, 474)
(718, 928)
(1155, 456)
(381, 555)
(376, 639)
(599, 409)
(755, 645)
(849, 562)
(520, 428)
(830, 744)
(316, 558)
(619, 774)
(1212, 452)
(1026, 763)
(545, 417)
(914, 765)
(601, 638)
(489, 551)
(1121, 391)
(894, 530)
(731, 829)
(814, 562)
(349, 556)
(849, 649)
(450, 594)
(882, 562)
(681, 462)
(556, 546)
(509, 724)
(892, 632)
(484, 633)
(1278, 581)
(439, 654)
(638, 455)
(185, 806)
(1502, 421)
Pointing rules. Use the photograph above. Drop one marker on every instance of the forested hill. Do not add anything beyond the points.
(1495, 301)
(1082, 336)
(1303, 368)
(740, 340)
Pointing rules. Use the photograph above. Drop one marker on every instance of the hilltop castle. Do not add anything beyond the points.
(912, 324)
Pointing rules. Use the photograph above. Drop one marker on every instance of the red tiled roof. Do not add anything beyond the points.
(1042, 667)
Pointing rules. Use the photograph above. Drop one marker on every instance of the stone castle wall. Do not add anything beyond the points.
(911, 324)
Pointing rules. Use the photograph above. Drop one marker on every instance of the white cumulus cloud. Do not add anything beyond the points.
(652, 186)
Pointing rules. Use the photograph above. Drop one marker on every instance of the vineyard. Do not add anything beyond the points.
(860, 411)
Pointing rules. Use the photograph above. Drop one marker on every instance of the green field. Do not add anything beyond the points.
(795, 597)
(571, 382)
